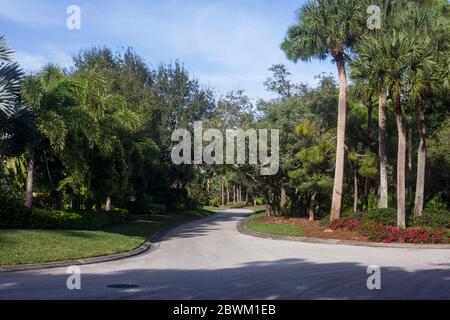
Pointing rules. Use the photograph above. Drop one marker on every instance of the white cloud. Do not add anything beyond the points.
(34, 62)
(30, 62)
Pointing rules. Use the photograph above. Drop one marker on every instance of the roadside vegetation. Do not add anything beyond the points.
(83, 149)
(253, 223)
(27, 246)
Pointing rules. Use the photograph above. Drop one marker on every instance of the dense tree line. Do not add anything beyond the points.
(99, 135)
(398, 74)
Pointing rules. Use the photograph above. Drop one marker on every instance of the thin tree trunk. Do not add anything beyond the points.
(58, 200)
(76, 202)
(223, 194)
(382, 134)
(98, 204)
(29, 184)
(409, 180)
(355, 190)
(369, 127)
(311, 207)
(283, 198)
(401, 164)
(108, 204)
(340, 148)
(421, 161)
(228, 195)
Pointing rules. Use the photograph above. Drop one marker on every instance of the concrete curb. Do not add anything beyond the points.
(242, 228)
(149, 245)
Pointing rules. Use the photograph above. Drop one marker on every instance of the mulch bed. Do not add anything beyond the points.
(313, 229)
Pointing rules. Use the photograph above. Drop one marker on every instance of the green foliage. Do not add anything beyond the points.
(82, 220)
(437, 203)
(10, 77)
(324, 27)
(260, 201)
(215, 202)
(432, 218)
(12, 212)
(382, 216)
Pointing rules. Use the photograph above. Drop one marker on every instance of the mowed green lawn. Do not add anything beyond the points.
(252, 222)
(37, 246)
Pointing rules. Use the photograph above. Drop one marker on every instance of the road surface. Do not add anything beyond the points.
(210, 259)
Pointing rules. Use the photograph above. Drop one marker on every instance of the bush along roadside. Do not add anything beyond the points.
(14, 216)
(378, 232)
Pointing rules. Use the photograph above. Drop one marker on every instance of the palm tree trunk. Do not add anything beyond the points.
(409, 175)
(382, 125)
(355, 190)
(340, 148)
(401, 164)
(311, 207)
(369, 127)
(29, 184)
(108, 204)
(421, 161)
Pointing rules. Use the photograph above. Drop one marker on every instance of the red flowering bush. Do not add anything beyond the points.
(382, 233)
(424, 235)
(349, 224)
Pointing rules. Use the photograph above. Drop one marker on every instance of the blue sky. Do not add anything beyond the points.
(226, 44)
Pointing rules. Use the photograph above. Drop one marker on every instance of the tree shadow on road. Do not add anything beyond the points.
(282, 279)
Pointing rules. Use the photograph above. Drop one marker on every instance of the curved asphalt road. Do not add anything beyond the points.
(209, 259)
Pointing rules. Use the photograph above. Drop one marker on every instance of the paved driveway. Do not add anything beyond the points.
(209, 259)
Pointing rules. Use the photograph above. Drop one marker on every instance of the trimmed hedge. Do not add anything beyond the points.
(80, 220)
(13, 215)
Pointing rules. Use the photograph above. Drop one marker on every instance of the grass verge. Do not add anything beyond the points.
(253, 223)
(38, 246)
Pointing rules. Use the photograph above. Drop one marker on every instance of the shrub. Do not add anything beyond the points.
(13, 214)
(437, 203)
(118, 216)
(382, 233)
(325, 220)
(343, 224)
(70, 220)
(386, 217)
(214, 202)
(46, 219)
(259, 201)
(424, 235)
(432, 218)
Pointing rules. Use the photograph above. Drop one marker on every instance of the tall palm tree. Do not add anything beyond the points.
(398, 45)
(48, 95)
(383, 57)
(10, 78)
(369, 68)
(432, 32)
(15, 120)
(329, 28)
